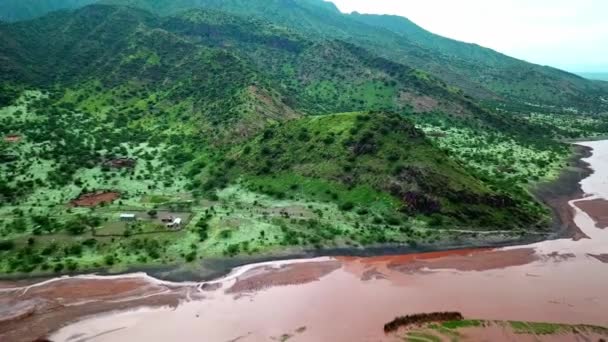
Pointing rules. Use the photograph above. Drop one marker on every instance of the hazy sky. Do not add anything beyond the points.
(568, 34)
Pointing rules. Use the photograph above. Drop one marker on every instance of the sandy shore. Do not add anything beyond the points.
(597, 209)
(558, 193)
(33, 311)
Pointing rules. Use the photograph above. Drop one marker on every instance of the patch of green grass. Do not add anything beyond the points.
(467, 323)
(368, 158)
(420, 336)
(536, 328)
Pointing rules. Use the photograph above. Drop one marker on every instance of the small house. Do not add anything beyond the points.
(167, 219)
(128, 217)
(175, 224)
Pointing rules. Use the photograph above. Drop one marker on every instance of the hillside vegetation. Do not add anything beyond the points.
(478, 71)
(167, 132)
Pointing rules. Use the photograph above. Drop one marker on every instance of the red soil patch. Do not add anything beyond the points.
(94, 199)
(13, 138)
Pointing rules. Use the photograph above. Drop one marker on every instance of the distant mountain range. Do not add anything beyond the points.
(481, 73)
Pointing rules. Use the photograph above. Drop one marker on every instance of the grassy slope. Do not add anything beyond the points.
(503, 75)
(481, 72)
(386, 154)
(377, 180)
(228, 124)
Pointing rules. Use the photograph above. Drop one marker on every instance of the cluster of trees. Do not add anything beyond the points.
(51, 256)
(202, 227)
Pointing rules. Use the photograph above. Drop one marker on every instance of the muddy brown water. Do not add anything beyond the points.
(350, 299)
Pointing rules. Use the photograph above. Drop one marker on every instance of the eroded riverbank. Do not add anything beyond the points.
(338, 298)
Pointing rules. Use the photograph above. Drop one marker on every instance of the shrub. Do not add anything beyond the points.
(191, 256)
(109, 260)
(233, 250)
(347, 206)
(58, 268)
(225, 234)
(362, 211)
(75, 227)
(6, 245)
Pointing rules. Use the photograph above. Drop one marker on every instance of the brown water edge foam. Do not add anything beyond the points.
(558, 193)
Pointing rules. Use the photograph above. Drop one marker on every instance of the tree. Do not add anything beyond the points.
(75, 227)
(6, 245)
(109, 260)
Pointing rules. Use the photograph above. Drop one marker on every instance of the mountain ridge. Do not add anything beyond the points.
(482, 73)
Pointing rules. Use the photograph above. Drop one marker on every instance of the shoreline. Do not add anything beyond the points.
(557, 193)
(36, 311)
(554, 194)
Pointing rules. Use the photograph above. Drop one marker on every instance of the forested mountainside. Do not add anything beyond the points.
(480, 72)
(15, 10)
(222, 64)
(163, 132)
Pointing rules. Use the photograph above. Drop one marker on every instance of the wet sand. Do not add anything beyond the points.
(35, 310)
(597, 209)
(557, 194)
(601, 257)
(336, 299)
(290, 274)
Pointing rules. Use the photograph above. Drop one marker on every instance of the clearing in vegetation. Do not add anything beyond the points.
(96, 198)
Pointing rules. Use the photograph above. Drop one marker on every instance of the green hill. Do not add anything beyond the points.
(229, 122)
(376, 153)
